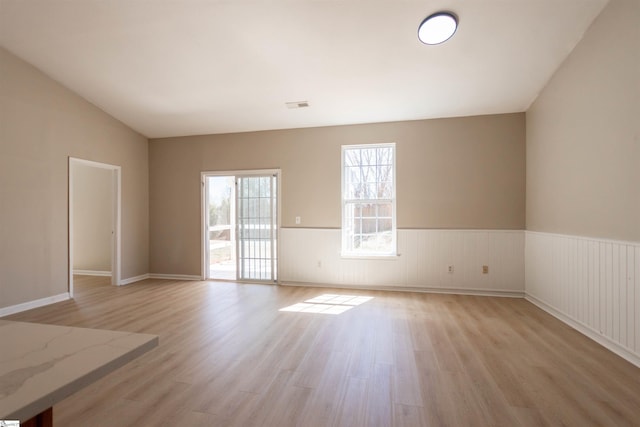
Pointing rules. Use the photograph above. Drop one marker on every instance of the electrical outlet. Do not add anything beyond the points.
(297, 220)
(450, 269)
(485, 269)
(319, 264)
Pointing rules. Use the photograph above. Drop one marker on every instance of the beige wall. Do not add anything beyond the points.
(452, 173)
(41, 124)
(92, 217)
(583, 135)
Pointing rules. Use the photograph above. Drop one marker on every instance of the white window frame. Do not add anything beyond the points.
(346, 236)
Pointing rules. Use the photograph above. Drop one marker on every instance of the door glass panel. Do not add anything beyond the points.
(256, 227)
(220, 227)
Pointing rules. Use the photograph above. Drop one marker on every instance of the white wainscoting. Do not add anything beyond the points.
(311, 255)
(591, 284)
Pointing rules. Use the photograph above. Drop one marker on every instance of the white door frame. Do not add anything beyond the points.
(204, 214)
(117, 217)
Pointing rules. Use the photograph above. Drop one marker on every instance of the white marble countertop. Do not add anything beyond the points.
(40, 364)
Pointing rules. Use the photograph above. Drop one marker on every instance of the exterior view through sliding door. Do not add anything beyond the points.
(256, 207)
(240, 232)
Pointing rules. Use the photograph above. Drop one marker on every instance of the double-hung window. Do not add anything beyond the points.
(369, 200)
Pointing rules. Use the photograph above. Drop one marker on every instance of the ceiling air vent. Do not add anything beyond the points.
(297, 104)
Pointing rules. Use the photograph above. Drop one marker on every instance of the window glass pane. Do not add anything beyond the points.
(355, 242)
(352, 174)
(352, 157)
(266, 234)
(244, 207)
(369, 173)
(373, 243)
(384, 156)
(385, 190)
(384, 173)
(264, 186)
(244, 184)
(253, 208)
(352, 183)
(372, 190)
(252, 187)
(265, 205)
(356, 225)
(362, 191)
(384, 225)
(369, 226)
(385, 210)
(368, 156)
(367, 210)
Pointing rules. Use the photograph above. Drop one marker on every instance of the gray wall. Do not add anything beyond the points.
(451, 173)
(41, 125)
(583, 135)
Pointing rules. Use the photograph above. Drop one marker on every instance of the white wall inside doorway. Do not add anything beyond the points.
(114, 207)
(92, 220)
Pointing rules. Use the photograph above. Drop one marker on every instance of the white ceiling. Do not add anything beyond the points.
(185, 67)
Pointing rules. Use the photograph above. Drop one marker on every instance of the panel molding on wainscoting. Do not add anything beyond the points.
(6, 311)
(312, 256)
(591, 284)
(450, 291)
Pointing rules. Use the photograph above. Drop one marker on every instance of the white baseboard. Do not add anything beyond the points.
(131, 280)
(452, 291)
(92, 273)
(134, 279)
(173, 276)
(586, 330)
(6, 311)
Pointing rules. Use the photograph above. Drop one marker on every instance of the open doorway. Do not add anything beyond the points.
(94, 220)
(240, 225)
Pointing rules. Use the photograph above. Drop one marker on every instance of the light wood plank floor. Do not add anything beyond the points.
(228, 356)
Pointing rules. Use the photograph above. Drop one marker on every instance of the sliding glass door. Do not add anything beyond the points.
(256, 227)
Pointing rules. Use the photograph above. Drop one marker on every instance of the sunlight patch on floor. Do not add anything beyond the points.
(328, 304)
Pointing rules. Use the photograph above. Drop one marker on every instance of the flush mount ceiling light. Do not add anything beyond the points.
(437, 28)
